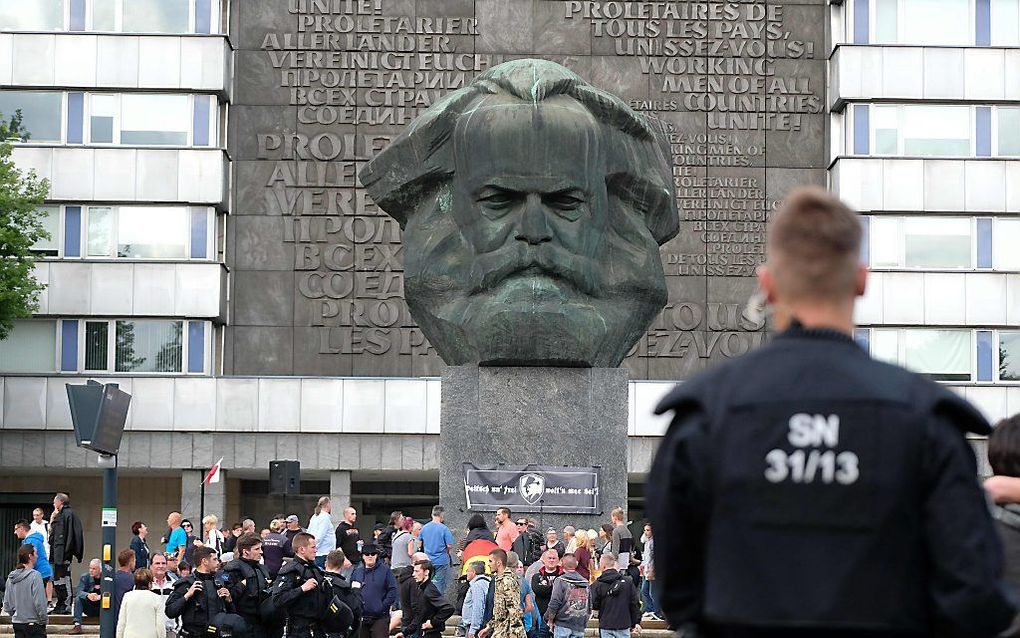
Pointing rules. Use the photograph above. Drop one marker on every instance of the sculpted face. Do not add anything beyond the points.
(529, 242)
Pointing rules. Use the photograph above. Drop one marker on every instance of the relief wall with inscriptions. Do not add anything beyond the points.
(321, 85)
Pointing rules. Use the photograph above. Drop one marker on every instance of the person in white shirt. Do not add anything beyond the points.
(141, 610)
(163, 585)
(321, 527)
(41, 525)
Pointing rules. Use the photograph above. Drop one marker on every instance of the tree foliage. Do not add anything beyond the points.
(21, 226)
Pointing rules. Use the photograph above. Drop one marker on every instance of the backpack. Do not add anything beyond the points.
(342, 613)
(268, 612)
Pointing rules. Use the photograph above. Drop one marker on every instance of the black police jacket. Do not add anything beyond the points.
(302, 608)
(249, 584)
(806, 486)
(202, 609)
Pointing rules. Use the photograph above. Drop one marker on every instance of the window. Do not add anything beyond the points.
(922, 130)
(922, 242)
(944, 22)
(139, 232)
(149, 346)
(1009, 356)
(41, 113)
(1008, 130)
(156, 16)
(97, 345)
(1005, 243)
(30, 347)
(50, 218)
(32, 15)
(944, 355)
(140, 119)
(1005, 22)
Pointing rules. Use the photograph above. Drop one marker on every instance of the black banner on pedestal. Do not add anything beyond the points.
(532, 488)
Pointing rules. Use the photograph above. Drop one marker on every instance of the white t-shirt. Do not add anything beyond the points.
(43, 528)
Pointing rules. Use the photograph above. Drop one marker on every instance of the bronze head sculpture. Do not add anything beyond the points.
(533, 207)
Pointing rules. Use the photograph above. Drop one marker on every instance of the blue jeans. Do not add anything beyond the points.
(439, 577)
(559, 631)
(647, 598)
(78, 610)
(614, 633)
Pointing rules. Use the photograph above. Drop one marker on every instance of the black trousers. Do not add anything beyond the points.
(375, 627)
(29, 630)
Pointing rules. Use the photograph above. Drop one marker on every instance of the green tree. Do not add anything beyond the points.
(21, 226)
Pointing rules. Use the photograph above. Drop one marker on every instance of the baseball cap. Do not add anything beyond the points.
(292, 518)
(370, 548)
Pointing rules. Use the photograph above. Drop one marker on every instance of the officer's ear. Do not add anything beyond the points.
(767, 283)
(860, 280)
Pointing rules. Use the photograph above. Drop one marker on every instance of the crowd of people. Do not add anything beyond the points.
(326, 581)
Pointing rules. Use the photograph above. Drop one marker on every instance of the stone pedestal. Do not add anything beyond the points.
(547, 416)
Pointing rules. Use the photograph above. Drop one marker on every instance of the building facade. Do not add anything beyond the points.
(212, 252)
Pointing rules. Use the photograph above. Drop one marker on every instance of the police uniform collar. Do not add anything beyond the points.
(797, 330)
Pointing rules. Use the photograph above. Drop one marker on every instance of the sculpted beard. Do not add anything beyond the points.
(488, 270)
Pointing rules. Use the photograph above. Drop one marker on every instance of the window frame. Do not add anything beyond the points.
(115, 235)
(63, 117)
(901, 348)
(111, 348)
(119, 117)
(994, 20)
(900, 22)
(57, 345)
(900, 152)
(215, 21)
(996, 362)
(901, 243)
(58, 237)
(996, 110)
(66, 10)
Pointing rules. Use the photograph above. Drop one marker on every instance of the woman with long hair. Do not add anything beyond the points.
(583, 554)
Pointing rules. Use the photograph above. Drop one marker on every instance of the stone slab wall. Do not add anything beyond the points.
(321, 85)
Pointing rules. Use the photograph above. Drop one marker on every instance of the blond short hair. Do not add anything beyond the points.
(813, 246)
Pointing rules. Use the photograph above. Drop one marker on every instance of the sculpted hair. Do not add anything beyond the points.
(813, 246)
(1004, 447)
(136, 527)
(425, 565)
(421, 159)
(245, 542)
(125, 557)
(323, 501)
(301, 540)
(617, 513)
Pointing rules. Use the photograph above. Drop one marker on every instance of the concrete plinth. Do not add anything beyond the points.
(547, 416)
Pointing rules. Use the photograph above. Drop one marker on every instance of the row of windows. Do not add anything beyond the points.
(128, 232)
(947, 354)
(952, 243)
(127, 16)
(933, 130)
(935, 22)
(131, 119)
(146, 346)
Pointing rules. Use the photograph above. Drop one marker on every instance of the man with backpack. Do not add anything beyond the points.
(569, 608)
(615, 599)
(342, 617)
(298, 591)
(249, 584)
(473, 608)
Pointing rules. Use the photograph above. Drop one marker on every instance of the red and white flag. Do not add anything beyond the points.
(214, 474)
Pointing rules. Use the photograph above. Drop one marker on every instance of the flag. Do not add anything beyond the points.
(214, 474)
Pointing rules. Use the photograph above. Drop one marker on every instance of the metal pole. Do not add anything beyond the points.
(201, 511)
(107, 619)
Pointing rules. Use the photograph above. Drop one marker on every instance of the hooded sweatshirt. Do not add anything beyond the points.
(614, 596)
(569, 606)
(41, 564)
(25, 597)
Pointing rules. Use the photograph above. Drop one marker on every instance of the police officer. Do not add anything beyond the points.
(298, 590)
(203, 602)
(805, 489)
(343, 614)
(249, 585)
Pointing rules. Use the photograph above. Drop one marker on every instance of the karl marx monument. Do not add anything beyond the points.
(533, 205)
